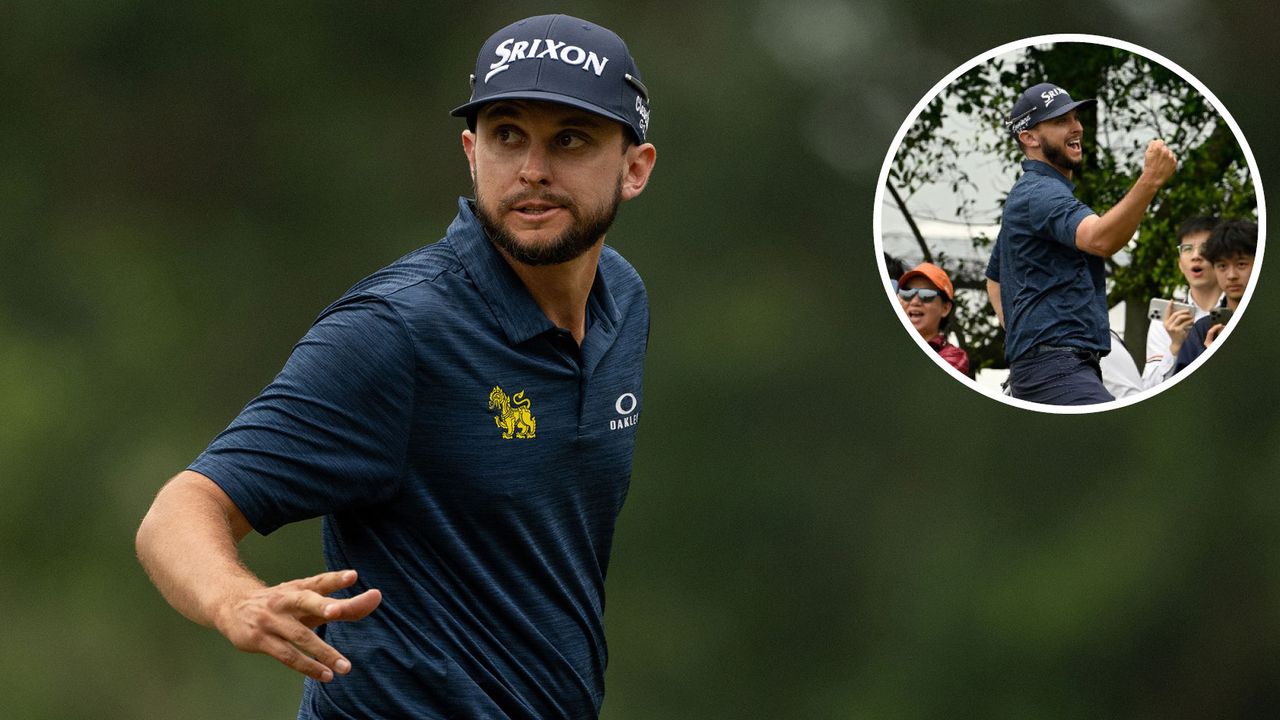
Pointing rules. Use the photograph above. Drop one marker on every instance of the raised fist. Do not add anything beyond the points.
(1159, 163)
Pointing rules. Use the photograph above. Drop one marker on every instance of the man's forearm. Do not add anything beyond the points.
(187, 544)
(1104, 235)
(993, 293)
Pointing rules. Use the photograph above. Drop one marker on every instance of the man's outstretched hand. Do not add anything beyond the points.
(280, 621)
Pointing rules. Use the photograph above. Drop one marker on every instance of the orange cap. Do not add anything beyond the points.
(933, 274)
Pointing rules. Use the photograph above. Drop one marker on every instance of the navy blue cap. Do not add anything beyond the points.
(1039, 103)
(561, 59)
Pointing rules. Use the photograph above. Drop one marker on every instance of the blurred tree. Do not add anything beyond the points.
(1140, 100)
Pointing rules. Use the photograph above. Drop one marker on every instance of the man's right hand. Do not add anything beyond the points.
(280, 621)
(1178, 324)
(1160, 162)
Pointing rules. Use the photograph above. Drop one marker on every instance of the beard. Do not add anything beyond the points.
(1057, 156)
(588, 226)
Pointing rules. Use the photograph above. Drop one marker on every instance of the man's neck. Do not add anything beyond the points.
(1205, 298)
(561, 290)
(1038, 156)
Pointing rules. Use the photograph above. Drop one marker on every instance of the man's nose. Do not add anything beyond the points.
(536, 169)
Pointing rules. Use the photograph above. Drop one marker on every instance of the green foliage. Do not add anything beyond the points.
(1138, 100)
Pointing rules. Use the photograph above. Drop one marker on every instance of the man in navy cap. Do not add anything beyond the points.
(463, 420)
(1046, 275)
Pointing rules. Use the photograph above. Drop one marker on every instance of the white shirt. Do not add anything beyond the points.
(1160, 361)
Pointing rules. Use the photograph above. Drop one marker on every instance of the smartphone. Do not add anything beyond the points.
(1159, 306)
(1219, 316)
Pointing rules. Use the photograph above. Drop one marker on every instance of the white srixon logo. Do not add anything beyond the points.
(512, 50)
(1049, 95)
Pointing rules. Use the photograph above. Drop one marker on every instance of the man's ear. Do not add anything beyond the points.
(469, 149)
(1029, 139)
(639, 164)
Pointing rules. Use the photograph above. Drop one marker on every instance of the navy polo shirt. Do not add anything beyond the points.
(1051, 292)
(469, 459)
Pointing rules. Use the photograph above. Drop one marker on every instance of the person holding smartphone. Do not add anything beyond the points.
(1230, 249)
(1166, 335)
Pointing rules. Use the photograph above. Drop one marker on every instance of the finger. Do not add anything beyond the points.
(305, 639)
(304, 604)
(328, 582)
(295, 658)
(353, 608)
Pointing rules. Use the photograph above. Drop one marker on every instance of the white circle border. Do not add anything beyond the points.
(877, 218)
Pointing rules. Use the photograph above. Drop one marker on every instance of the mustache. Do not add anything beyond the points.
(534, 194)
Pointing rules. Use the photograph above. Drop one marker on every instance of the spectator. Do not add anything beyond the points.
(926, 295)
(1164, 339)
(1230, 249)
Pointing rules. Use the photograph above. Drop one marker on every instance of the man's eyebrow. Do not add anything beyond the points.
(502, 110)
(516, 111)
(583, 120)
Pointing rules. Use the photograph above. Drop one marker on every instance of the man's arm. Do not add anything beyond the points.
(993, 292)
(187, 543)
(1105, 234)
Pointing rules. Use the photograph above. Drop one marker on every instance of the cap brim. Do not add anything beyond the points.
(474, 106)
(1058, 112)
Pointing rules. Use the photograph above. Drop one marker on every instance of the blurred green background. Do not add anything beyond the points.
(822, 524)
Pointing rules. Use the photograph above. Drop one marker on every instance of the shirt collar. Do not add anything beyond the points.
(504, 292)
(1043, 168)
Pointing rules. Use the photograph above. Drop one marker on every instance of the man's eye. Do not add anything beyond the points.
(569, 141)
(507, 136)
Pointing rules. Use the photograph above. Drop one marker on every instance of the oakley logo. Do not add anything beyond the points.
(626, 406)
(511, 51)
(1049, 95)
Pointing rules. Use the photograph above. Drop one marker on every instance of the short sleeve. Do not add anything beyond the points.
(1057, 214)
(993, 264)
(331, 431)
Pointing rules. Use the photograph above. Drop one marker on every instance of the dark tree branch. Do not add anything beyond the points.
(911, 223)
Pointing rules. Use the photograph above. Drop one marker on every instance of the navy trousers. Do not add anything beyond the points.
(1058, 376)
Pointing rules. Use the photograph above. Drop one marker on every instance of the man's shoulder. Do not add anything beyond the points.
(413, 287)
(624, 281)
(424, 266)
(417, 273)
(617, 269)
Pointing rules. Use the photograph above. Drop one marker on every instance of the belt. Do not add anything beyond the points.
(1042, 349)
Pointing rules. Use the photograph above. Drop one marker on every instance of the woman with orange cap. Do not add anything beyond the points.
(926, 295)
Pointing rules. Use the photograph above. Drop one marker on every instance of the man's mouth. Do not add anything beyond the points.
(1074, 144)
(534, 209)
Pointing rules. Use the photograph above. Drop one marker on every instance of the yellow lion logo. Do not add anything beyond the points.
(513, 415)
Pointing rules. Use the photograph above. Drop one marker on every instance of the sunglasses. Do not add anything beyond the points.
(926, 295)
(1187, 248)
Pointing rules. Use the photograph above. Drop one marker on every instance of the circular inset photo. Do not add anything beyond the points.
(1069, 223)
